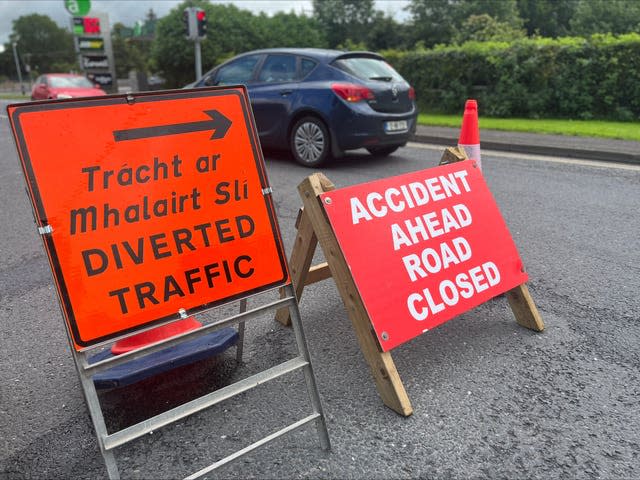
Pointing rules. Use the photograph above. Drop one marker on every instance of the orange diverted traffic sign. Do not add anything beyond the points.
(151, 206)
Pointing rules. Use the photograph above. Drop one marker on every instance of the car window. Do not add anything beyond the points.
(366, 68)
(306, 66)
(238, 71)
(278, 68)
(70, 82)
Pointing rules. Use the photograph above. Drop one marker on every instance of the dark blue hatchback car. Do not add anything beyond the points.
(319, 103)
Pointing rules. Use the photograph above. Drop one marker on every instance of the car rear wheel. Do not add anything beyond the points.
(310, 142)
(383, 151)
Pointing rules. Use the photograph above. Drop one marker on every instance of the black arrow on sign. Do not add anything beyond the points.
(219, 123)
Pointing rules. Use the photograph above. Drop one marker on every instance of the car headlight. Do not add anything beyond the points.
(63, 95)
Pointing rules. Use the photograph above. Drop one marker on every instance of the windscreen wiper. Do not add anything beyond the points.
(383, 79)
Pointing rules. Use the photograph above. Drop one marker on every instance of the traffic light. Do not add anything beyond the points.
(201, 19)
(187, 22)
(195, 23)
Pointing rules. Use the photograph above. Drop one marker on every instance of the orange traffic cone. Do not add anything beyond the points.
(154, 335)
(470, 133)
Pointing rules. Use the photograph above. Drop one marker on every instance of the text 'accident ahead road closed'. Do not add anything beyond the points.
(150, 207)
(423, 247)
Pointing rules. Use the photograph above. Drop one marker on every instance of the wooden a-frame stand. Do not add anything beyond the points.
(313, 228)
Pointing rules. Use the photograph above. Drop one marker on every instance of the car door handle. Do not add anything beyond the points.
(284, 93)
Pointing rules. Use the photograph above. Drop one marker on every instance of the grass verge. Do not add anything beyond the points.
(13, 96)
(581, 128)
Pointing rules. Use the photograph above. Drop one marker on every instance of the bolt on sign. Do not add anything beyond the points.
(150, 207)
(440, 243)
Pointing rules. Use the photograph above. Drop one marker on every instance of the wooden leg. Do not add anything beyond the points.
(300, 261)
(383, 369)
(524, 308)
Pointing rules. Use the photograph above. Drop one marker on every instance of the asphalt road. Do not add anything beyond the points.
(491, 399)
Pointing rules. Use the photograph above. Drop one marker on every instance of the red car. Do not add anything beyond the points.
(64, 85)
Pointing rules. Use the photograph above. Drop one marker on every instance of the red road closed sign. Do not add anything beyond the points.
(423, 247)
(151, 206)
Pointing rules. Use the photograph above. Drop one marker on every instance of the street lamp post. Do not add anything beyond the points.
(15, 56)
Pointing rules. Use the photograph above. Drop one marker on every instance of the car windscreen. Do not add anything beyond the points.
(367, 68)
(70, 82)
(235, 72)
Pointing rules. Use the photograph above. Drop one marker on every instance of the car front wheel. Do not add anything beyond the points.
(310, 142)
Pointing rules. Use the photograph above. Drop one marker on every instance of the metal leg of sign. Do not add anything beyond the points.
(383, 368)
(300, 261)
(524, 309)
(108, 442)
(312, 388)
(95, 410)
(240, 344)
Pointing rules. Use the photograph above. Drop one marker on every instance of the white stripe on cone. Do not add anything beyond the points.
(473, 153)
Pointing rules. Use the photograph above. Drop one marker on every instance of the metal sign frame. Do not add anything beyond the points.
(109, 442)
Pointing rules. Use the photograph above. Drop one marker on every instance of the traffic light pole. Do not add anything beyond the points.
(195, 28)
(15, 57)
(198, 59)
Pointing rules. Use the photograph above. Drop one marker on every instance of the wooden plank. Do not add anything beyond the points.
(524, 308)
(317, 273)
(300, 261)
(382, 367)
(452, 155)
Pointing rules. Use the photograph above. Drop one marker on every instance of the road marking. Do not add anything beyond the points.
(541, 158)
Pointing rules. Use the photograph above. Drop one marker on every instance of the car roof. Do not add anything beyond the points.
(319, 54)
(63, 75)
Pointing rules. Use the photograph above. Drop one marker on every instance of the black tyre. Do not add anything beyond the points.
(383, 151)
(309, 142)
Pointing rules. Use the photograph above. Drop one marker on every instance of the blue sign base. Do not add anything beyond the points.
(176, 356)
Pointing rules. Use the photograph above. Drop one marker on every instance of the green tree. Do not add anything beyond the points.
(291, 30)
(132, 46)
(7, 65)
(606, 16)
(501, 10)
(484, 28)
(43, 45)
(230, 31)
(386, 33)
(547, 18)
(125, 52)
(432, 21)
(436, 21)
(342, 20)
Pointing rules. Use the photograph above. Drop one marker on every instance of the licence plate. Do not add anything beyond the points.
(397, 126)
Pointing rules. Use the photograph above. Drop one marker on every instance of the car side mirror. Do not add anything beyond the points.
(210, 81)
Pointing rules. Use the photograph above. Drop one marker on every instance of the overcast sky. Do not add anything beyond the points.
(128, 11)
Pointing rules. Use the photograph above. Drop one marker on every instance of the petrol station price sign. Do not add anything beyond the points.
(151, 206)
(423, 247)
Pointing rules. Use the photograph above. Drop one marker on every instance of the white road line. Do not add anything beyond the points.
(541, 158)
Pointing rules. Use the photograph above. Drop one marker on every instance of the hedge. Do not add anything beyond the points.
(580, 78)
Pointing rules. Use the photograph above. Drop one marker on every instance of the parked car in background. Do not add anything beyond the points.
(319, 103)
(64, 85)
